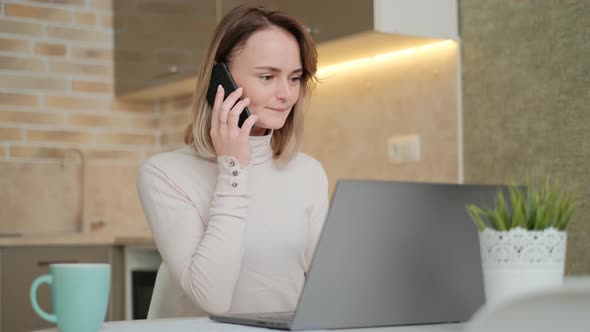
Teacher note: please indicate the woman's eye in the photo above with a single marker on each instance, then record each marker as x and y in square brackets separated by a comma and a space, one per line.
[296, 79]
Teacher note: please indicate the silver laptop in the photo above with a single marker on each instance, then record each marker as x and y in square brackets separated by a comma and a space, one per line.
[391, 253]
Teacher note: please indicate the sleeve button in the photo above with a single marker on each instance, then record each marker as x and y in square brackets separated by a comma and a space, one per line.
[234, 184]
[232, 163]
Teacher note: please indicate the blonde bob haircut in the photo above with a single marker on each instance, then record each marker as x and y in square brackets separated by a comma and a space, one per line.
[232, 33]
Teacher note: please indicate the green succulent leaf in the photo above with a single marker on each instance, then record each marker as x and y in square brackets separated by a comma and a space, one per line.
[532, 209]
[477, 215]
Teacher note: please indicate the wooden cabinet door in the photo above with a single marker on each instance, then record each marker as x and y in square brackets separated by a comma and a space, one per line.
[159, 41]
[331, 19]
[227, 5]
[20, 266]
[326, 19]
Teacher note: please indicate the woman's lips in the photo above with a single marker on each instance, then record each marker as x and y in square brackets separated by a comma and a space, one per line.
[277, 109]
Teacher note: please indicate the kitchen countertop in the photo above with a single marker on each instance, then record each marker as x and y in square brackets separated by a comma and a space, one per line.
[139, 238]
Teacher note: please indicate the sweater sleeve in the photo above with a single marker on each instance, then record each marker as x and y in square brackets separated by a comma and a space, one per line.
[204, 256]
[318, 212]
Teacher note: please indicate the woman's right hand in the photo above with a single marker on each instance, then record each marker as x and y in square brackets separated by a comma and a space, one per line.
[229, 139]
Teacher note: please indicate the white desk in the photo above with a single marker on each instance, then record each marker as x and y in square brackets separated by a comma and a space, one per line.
[561, 309]
[205, 324]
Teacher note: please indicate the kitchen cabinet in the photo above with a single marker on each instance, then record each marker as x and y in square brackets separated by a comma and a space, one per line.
[19, 266]
[331, 19]
[159, 44]
[384, 26]
[326, 20]
[159, 41]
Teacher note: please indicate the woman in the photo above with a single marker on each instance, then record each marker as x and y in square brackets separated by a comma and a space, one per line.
[236, 214]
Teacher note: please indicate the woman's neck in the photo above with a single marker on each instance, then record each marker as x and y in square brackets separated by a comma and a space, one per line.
[257, 131]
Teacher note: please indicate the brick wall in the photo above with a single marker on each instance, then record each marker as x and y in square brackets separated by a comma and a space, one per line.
[56, 93]
[56, 69]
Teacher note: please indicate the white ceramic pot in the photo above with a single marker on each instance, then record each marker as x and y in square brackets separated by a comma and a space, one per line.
[520, 261]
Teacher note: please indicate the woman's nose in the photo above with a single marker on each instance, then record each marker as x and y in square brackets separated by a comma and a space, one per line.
[283, 91]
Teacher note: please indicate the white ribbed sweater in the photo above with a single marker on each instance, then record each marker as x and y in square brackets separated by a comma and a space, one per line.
[235, 240]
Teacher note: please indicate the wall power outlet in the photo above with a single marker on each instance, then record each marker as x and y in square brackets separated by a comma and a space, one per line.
[401, 149]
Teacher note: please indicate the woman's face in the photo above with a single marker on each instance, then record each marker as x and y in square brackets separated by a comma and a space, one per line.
[268, 68]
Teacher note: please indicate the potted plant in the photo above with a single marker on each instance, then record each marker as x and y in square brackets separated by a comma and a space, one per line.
[523, 239]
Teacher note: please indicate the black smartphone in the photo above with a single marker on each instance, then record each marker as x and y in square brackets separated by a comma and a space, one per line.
[221, 75]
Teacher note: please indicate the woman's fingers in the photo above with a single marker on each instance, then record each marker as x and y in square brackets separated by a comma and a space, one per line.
[248, 124]
[227, 138]
[234, 114]
[216, 105]
[227, 105]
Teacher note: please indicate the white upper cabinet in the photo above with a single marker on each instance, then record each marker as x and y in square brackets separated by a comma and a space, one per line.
[420, 18]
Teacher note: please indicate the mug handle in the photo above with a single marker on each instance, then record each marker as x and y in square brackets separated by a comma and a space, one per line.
[40, 280]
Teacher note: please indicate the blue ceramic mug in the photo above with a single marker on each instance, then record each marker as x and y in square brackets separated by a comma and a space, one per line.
[79, 295]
